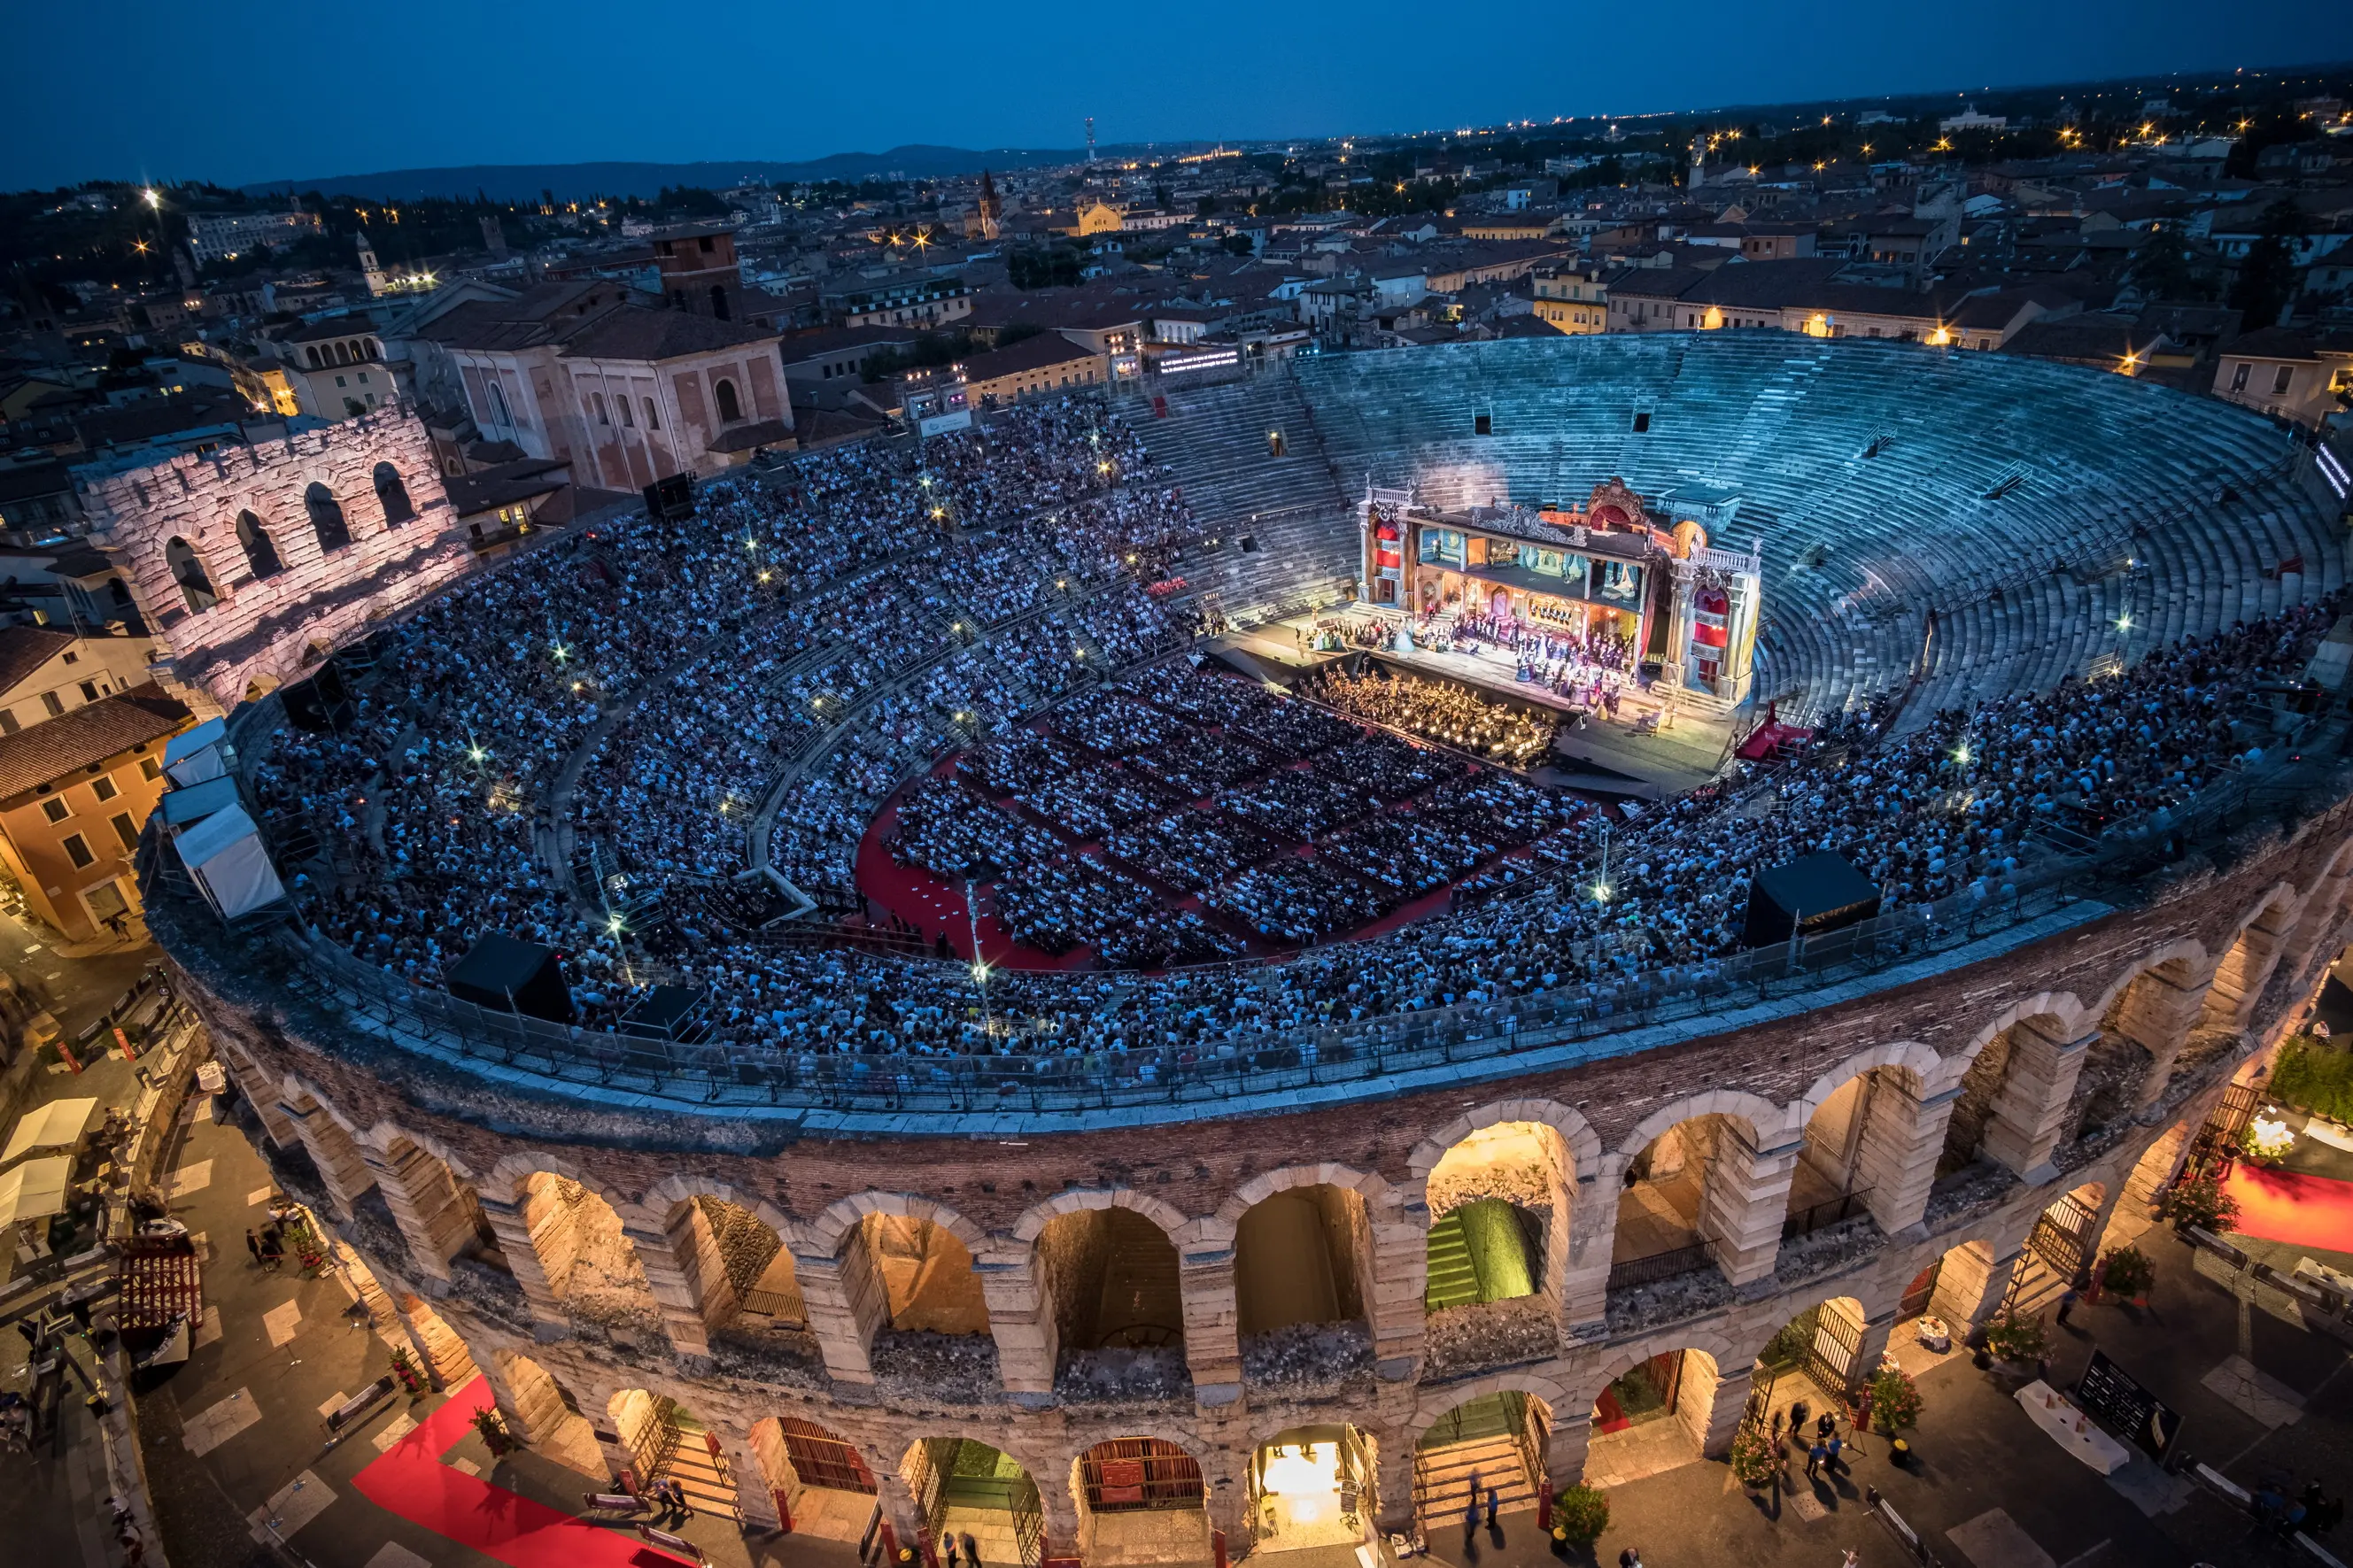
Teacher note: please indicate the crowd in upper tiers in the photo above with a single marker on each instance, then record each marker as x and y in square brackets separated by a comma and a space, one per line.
[644, 697]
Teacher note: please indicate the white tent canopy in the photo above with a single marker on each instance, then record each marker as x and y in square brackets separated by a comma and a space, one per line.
[224, 853]
[57, 1125]
[35, 1189]
[194, 755]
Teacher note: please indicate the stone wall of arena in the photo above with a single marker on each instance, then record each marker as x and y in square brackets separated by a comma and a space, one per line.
[265, 630]
[2193, 984]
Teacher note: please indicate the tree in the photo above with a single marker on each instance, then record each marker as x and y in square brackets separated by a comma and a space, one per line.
[1754, 1462]
[2268, 279]
[1580, 1514]
[2126, 1271]
[2168, 270]
[2016, 1336]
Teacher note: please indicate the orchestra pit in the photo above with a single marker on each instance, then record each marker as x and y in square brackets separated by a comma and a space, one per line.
[1173, 979]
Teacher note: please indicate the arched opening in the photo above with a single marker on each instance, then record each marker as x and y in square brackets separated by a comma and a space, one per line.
[1998, 1114]
[2115, 1078]
[1498, 1202]
[260, 554]
[927, 1276]
[326, 518]
[187, 569]
[663, 1441]
[1834, 1177]
[1495, 1443]
[591, 1266]
[550, 1419]
[440, 1216]
[730, 410]
[1816, 1360]
[757, 1312]
[820, 1481]
[1302, 1262]
[1141, 1500]
[444, 1352]
[980, 1494]
[1313, 1485]
[1118, 1312]
[1654, 1417]
[1675, 1204]
[719, 302]
[393, 495]
[2239, 979]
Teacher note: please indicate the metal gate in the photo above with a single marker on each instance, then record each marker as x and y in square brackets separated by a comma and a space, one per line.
[1832, 1354]
[1761, 1379]
[1136, 1473]
[2062, 1235]
[821, 1460]
[1922, 1287]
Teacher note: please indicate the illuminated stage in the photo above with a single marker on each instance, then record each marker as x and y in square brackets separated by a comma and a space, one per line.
[1623, 756]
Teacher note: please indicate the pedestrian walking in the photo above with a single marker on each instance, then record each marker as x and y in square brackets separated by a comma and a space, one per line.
[948, 1540]
[970, 1550]
[1816, 1457]
[1835, 1446]
[253, 1244]
[2067, 1299]
[1631, 1558]
[1495, 1506]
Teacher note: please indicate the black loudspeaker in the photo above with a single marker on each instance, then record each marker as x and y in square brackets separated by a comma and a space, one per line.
[1249, 543]
[671, 498]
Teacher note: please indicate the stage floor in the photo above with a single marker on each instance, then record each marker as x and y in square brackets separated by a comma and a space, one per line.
[1601, 754]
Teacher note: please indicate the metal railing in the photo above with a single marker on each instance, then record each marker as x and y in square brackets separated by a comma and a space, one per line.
[1673, 1263]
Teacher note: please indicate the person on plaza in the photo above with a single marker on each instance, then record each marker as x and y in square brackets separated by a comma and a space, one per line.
[253, 1244]
[1816, 1458]
[970, 1550]
[1825, 1424]
[2067, 1299]
[1495, 1506]
[1631, 1558]
[1834, 1445]
[947, 1540]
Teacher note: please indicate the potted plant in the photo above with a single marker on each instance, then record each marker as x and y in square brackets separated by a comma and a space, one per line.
[2265, 1143]
[403, 1369]
[493, 1428]
[1754, 1462]
[2126, 1271]
[2016, 1337]
[2199, 1202]
[1895, 1400]
[1579, 1515]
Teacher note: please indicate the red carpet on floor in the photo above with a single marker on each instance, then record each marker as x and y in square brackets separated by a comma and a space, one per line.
[411, 1481]
[2303, 1211]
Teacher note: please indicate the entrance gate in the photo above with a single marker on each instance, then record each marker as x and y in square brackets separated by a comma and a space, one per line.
[821, 1460]
[1134, 1473]
[2062, 1235]
[1832, 1353]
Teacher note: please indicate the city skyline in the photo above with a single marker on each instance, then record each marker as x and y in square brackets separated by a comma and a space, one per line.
[243, 105]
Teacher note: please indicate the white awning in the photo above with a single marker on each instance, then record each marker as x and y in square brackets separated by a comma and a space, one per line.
[193, 803]
[35, 1189]
[225, 854]
[188, 742]
[57, 1125]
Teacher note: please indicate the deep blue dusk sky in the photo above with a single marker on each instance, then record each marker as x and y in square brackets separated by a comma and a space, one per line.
[243, 92]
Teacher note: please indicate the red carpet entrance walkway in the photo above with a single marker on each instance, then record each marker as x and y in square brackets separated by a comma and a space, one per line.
[2303, 1211]
[411, 1481]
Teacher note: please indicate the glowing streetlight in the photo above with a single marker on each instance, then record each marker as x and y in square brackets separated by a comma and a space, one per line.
[154, 197]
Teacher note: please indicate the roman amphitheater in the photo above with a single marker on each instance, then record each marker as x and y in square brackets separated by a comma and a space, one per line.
[881, 1224]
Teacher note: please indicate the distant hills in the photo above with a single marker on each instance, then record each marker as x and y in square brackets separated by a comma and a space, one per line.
[576, 182]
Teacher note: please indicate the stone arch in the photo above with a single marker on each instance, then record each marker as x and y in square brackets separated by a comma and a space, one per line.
[1499, 1222]
[1867, 1131]
[439, 1212]
[1826, 1339]
[185, 562]
[392, 495]
[842, 1218]
[1905, 1056]
[2326, 906]
[545, 1412]
[1477, 1449]
[1702, 1181]
[1141, 1496]
[1577, 1134]
[822, 1483]
[2013, 1083]
[261, 556]
[731, 407]
[329, 1140]
[2144, 1020]
[2247, 963]
[1693, 1379]
[1105, 1263]
[964, 1485]
[593, 1274]
[327, 520]
[1303, 1247]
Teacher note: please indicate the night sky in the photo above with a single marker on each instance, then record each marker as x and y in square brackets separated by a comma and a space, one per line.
[239, 93]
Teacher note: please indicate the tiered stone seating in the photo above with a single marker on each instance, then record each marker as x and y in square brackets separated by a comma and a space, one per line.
[1990, 476]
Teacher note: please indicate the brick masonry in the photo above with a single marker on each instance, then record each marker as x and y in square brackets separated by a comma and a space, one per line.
[268, 628]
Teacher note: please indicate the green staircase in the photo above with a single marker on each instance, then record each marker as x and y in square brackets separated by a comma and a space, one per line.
[1477, 1253]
